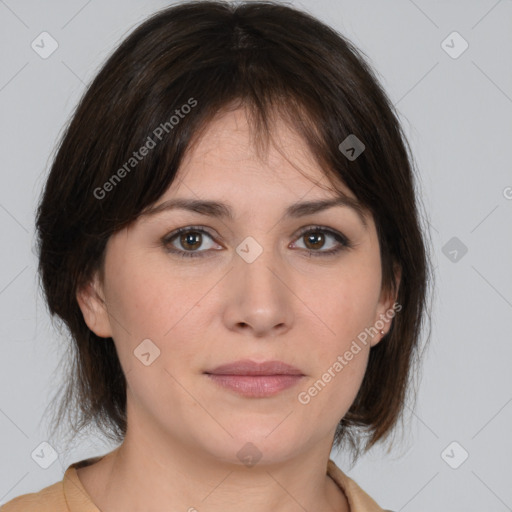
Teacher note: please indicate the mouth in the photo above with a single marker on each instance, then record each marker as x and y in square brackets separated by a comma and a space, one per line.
[255, 380]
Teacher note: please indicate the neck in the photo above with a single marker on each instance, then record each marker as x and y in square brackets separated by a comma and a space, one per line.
[141, 476]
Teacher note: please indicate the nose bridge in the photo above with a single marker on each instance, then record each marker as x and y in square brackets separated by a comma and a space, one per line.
[256, 268]
[260, 298]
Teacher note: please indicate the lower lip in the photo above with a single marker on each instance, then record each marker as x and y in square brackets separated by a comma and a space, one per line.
[256, 386]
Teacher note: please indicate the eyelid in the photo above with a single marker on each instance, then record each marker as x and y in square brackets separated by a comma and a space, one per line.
[344, 242]
[331, 231]
[201, 229]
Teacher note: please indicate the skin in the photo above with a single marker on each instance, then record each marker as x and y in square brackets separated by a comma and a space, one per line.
[184, 431]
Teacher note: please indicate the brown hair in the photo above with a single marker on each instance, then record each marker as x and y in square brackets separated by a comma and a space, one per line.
[275, 61]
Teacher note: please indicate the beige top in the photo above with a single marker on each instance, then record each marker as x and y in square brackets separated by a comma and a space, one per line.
[69, 495]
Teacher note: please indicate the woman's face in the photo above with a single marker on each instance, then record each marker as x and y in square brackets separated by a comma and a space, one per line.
[251, 291]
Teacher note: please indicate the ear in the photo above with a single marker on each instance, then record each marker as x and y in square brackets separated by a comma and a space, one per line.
[387, 308]
[90, 298]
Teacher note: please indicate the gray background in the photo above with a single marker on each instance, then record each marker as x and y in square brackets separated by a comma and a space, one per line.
[456, 114]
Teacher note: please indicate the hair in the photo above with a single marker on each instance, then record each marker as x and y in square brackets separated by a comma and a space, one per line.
[276, 62]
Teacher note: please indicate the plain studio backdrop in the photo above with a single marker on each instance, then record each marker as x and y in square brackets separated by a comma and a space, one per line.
[446, 67]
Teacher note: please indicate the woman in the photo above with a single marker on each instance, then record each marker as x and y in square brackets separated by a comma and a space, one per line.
[230, 233]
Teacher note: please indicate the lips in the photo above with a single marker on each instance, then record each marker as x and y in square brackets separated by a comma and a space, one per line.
[247, 367]
[255, 380]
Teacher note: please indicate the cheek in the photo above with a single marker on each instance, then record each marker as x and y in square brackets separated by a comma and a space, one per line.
[145, 299]
[340, 359]
[152, 299]
[347, 307]
[148, 303]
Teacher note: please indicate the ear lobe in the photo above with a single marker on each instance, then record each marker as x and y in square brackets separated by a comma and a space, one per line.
[94, 310]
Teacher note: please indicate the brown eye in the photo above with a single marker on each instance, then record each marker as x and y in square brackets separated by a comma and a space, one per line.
[314, 240]
[316, 237]
[191, 240]
[186, 242]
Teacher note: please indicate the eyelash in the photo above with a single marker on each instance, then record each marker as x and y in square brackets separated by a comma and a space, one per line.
[341, 239]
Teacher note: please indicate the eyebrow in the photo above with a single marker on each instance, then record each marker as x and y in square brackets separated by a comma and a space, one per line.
[224, 211]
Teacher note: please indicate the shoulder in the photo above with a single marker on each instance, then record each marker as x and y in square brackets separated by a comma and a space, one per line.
[358, 499]
[49, 499]
[68, 495]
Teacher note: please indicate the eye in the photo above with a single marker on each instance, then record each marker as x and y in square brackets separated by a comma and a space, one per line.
[315, 238]
[190, 238]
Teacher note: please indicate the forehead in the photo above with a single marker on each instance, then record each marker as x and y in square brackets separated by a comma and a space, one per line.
[226, 158]
[226, 173]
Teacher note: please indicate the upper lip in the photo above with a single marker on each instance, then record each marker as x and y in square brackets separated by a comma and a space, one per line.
[247, 367]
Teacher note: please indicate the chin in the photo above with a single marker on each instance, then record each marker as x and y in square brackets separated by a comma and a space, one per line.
[255, 445]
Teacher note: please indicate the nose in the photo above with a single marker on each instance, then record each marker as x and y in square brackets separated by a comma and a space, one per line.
[259, 300]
